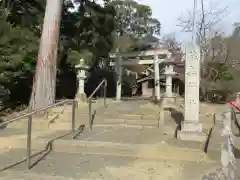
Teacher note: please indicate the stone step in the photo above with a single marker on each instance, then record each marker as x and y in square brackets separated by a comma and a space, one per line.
[11, 132]
[160, 151]
[99, 119]
[117, 109]
[110, 122]
[146, 151]
[138, 111]
[85, 166]
[119, 113]
[65, 123]
[18, 175]
[137, 142]
[154, 142]
[118, 134]
[112, 118]
[18, 132]
[17, 137]
[119, 116]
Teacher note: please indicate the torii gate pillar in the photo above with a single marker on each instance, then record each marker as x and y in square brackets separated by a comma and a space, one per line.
[156, 78]
[119, 78]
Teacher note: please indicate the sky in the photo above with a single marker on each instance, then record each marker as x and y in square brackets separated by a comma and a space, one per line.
[168, 12]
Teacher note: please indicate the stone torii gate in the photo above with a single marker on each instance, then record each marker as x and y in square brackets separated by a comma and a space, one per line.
[139, 62]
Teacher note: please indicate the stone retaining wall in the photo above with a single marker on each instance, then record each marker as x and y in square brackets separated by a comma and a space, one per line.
[228, 160]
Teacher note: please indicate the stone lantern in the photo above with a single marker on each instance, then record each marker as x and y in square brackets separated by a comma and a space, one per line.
[169, 73]
[81, 75]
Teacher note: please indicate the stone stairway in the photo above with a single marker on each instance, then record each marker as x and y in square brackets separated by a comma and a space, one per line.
[126, 142]
[121, 114]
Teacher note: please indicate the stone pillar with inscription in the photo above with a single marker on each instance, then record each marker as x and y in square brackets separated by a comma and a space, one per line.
[191, 128]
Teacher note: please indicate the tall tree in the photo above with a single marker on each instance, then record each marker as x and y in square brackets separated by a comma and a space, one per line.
[86, 33]
[24, 13]
[43, 92]
[134, 22]
[89, 29]
[135, 19]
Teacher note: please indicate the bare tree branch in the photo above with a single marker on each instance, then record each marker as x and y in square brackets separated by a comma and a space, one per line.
[206, 21]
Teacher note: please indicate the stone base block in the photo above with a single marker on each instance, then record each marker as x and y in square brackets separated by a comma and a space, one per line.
[171, 98]
[191, 126]
[147, 93]
[167, 99]
[116, 101]
[191, 136]
[81, 98]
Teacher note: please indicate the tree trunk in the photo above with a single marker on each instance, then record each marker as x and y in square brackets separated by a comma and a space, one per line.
[44, 87]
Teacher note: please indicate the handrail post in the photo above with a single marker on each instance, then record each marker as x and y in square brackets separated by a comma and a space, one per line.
[103, 82]
[90, 114]
[29, 134]
[73, 116]
[105, 93]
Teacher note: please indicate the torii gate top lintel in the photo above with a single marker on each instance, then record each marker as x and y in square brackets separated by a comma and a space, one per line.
[141, 53]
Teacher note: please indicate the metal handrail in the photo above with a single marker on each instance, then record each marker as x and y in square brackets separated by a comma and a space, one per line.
[89, 100]
[30, 117]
